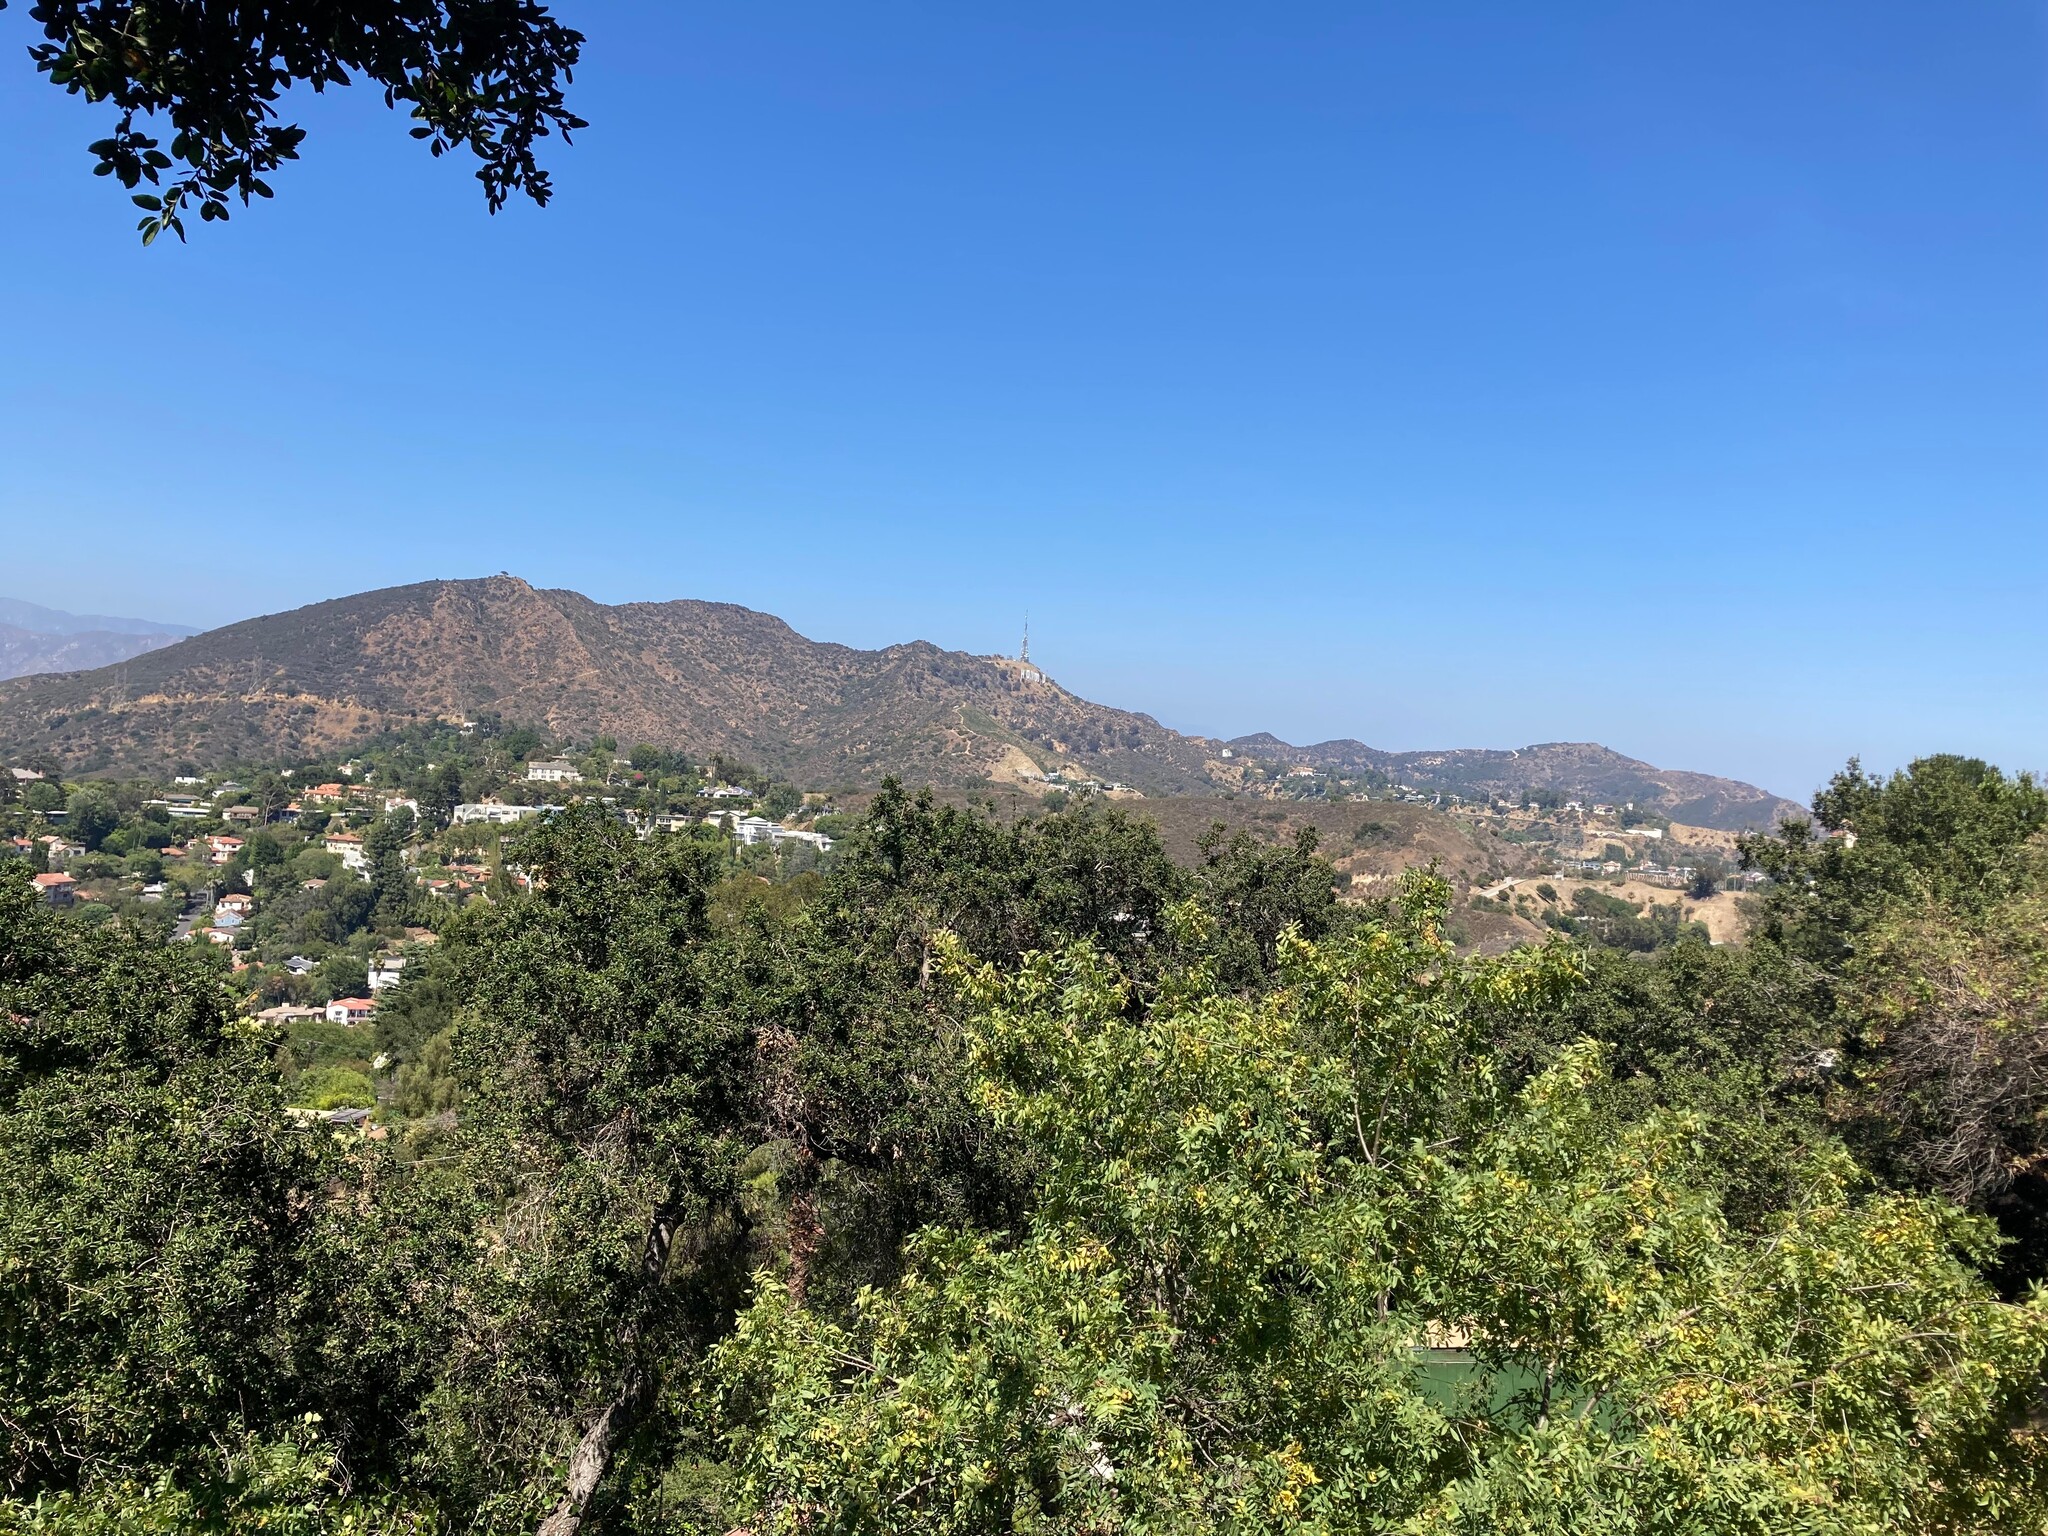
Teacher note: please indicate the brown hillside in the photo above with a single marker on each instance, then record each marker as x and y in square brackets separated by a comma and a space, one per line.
[705, 677]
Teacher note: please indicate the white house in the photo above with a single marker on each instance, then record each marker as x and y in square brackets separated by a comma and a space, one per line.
[183, 807]
[748, 831]
[492, 812]
[350, 1010]
[554, 770]
[348, 848]
[386, 971]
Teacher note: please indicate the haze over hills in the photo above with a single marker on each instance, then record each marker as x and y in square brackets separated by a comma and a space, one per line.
[37, 639]
[707, 678]
[18, 613]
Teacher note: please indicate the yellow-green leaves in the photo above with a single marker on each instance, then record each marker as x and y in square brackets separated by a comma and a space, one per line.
[1299, 1263]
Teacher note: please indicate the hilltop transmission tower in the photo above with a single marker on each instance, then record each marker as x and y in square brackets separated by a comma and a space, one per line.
[1024, 650]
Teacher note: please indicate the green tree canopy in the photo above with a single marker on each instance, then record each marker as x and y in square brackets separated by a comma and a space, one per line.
[1299, 1263]
[90, 814]
[159, 1213]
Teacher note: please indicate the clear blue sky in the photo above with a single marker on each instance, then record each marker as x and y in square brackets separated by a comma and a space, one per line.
[1673, 376]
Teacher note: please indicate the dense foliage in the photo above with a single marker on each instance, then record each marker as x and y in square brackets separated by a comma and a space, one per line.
[1012, 1177]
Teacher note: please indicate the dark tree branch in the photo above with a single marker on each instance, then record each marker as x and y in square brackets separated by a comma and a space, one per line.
[486, 73]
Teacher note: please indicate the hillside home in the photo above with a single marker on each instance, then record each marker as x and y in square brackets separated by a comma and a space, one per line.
[222, 847]
[57, 890]
[748, 831]
[351, 1010]
[386, 971]
[347, 847]
[25, 775]
[219, 935]
[236, 901]
[726, 792]
[247, 815]
[62, 851]
[553, 770]
[491, 812]
[181, 807]
[288, 1013]
[299, 965]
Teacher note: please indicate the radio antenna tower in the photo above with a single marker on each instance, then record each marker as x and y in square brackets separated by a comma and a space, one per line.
[1024, 650]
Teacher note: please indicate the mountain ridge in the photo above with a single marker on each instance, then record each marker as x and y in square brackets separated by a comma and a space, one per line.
[1578, 769]
[20, 613]
[705, 677]
[709, 677]
[27, 652]
[35, 639]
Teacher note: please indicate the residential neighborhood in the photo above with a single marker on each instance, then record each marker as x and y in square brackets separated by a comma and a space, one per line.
[320, 883]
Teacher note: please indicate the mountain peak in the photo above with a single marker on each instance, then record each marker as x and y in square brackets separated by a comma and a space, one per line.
[707, 678]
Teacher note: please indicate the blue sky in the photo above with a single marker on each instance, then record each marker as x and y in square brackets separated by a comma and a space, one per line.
[1670, 376]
